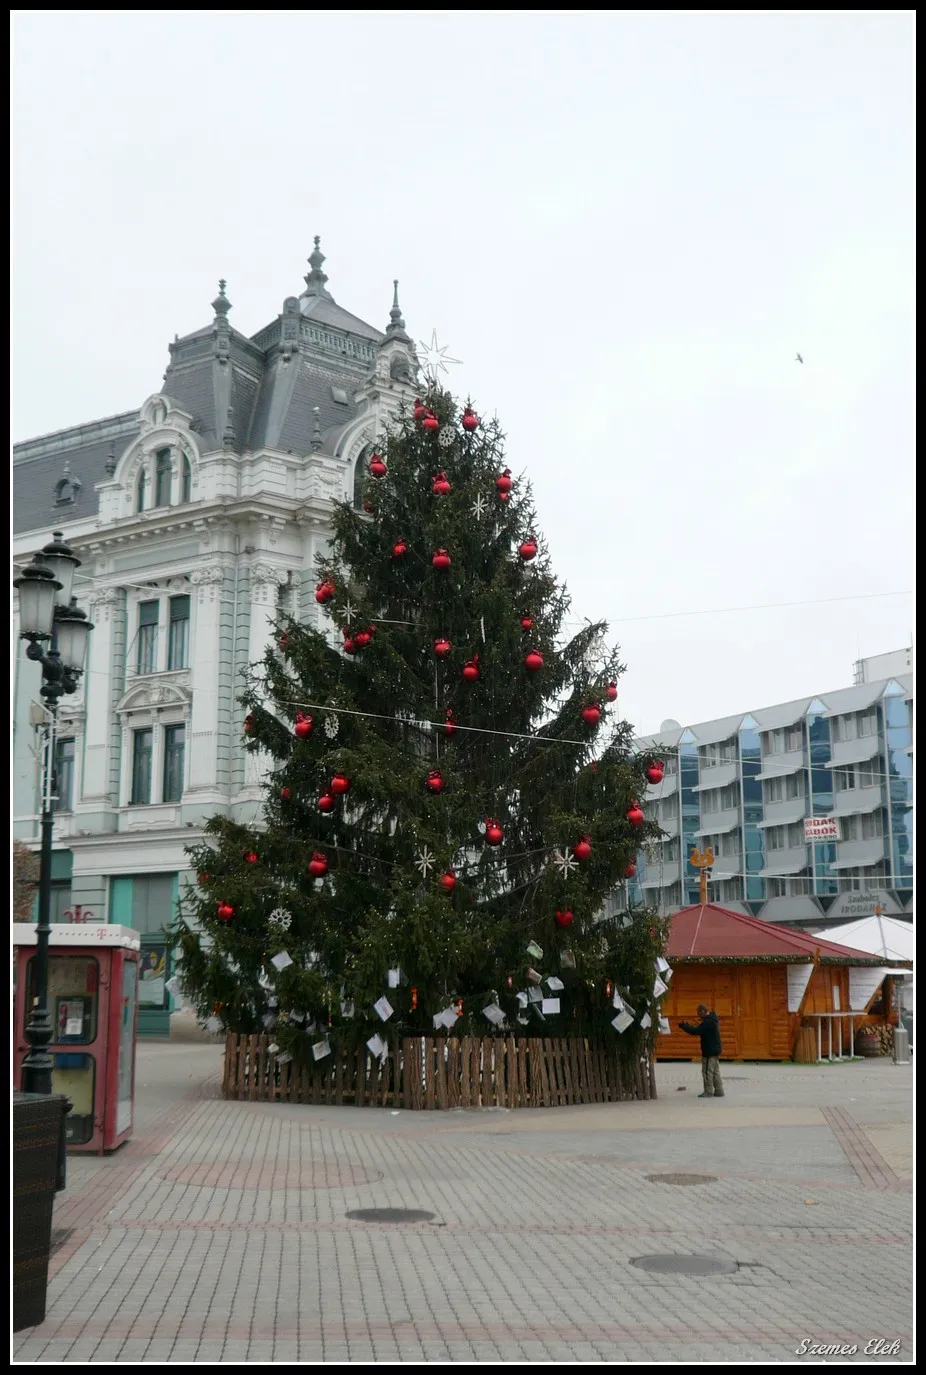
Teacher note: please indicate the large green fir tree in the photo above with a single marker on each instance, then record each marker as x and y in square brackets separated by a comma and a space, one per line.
[449, 792]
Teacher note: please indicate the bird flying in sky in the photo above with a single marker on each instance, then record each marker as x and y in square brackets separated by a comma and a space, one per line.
[799, 358]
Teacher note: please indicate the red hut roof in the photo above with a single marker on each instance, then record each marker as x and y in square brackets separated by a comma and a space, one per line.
[715, 933]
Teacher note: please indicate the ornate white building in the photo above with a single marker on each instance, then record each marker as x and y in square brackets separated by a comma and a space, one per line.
[196, 517]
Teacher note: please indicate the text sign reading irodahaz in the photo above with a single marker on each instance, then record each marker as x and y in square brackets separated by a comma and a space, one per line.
[821, 828]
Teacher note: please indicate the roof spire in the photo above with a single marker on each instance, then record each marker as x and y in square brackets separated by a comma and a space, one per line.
[316, 428]
[396, 326]
[316, 279]
[221, 305]
[228, 435]
[111, 459]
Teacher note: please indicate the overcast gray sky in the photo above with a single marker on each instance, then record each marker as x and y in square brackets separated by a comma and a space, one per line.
[625, 224]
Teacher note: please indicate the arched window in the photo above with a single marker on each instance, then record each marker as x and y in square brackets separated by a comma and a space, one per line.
[162, 475]
[141, 489]
[360, 475]
[186, 480]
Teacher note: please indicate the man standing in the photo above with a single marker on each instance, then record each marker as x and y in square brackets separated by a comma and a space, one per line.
[709, 1031]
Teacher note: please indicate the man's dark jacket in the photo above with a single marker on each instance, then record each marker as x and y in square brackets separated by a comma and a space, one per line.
[709, 1031]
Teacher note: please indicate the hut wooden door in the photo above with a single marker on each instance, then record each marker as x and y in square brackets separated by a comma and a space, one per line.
[753, 1012]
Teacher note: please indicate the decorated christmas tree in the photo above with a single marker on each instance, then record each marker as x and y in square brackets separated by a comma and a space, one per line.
[451, 802]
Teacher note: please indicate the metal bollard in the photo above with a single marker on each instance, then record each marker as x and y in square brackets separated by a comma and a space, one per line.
[901, 1046]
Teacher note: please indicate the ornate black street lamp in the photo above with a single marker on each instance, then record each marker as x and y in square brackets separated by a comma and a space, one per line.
[57, 632]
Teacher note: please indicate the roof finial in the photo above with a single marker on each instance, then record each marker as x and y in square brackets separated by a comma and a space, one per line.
[111, 459]
[228, 434]
[395, 314]
[317, 425]
[221, 305]
[316, 279]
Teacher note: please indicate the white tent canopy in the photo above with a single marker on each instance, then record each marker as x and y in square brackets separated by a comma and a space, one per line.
[883, 936]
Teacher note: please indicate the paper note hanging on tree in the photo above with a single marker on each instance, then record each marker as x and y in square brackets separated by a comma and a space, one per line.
[347, 1009]
[394, 978]
[321, 1049]
[383, 1007]
[281, 961]
[667, 975]
[534, 977]
[269, 1021]
[659, 988]
[661, 965]
[622, 1021]
[629, 1010]
[554, 984]
[272, 1048]
[522, 1000]
[646, 1021]
[297, 1015]
[549, 1006]
[494, 1013]
[535, 951]
[376, 1045]
[284, 1057]
[664, 1029]
[213, 1025]
[448, 1017]
[567, 959]
[535, 995]
[173, 986]
[617, 1002]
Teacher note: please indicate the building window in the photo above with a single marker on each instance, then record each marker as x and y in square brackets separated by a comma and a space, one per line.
[147, 637]
[178, 641]
[721, 799]
[141, 490]
[186, 480]
[64, 776]
[174, 743]
[162, 475]
[142, 751]
[723, 752]
[784, 789]
[844, 779]
[868, 722]
[870, 774]
[776, 838]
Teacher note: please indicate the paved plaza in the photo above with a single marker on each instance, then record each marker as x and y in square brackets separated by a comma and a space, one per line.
[220, 1232]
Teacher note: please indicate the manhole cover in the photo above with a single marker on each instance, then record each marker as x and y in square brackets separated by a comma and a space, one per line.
[682, 1178]
[389, 1215]
[686, 1265]
[58, 1237]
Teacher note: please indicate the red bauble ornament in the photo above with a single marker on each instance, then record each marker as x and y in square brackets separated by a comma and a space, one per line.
[420, 408]
[249, 724]
[470, 419]
[503, 482]
[225, 911]
[528, 550]
[442, 648]
[340, 784]
[635, 814]
[564, 918]
[656, 771]
[430, 422]
[362, 639]
[494, 833]
[326, 803]
[369, 507]
[448, 881]
[250, 857]
[582, 848]
[527, 622]
[533, 661]
[286, 794]
[350, 645]
[434, 782]
[377, 466]
[591, 714]
[450, 722]
[631, 869]
[470, 669]
[440, 486]
[440, 559]
[324, 592]
[399, 549]
[611, 692]
[318, 864]
[303, 727]
[204, 878]
[284, 641]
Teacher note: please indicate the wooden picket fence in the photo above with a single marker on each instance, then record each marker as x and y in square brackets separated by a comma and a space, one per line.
[426, 1073]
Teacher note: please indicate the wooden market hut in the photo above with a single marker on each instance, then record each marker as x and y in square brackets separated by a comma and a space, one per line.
[764, 981]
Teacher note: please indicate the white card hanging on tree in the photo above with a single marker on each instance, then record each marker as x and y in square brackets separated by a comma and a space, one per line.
[567, 960]
[449, 1017]
[661, 965]
[646, 1021]
[376, 1045]
[659, 988]
[617, 1002]
[383, 1007]
[213, 1025]
[272, 1048]
[664, 1029]
[549, 1006]
[522, 1000]
[321, 1049]
[281, 961]
[173, 985]
[284, 1057]
[534, 977]
[535, 951]
[554, 984]
[622, 1021]
[394, 978]
[535, 995]
[494, 1014]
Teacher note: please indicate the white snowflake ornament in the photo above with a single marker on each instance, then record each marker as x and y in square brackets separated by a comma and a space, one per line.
[564, 862]
[280, 917]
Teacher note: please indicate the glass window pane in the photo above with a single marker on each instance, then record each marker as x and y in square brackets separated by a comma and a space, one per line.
[162, 478]
[174, 743]
[64, 776]
[141, 767]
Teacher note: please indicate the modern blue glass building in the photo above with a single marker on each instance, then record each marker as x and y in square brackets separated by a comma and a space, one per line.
[746, 785]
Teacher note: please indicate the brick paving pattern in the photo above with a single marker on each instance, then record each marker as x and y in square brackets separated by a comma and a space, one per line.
[219, 1233]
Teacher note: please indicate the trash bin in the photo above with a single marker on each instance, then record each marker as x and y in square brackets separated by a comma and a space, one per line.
[901, 1046]
[38, 1123]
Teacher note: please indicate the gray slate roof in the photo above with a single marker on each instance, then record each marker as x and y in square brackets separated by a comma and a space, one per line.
[39, 464]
